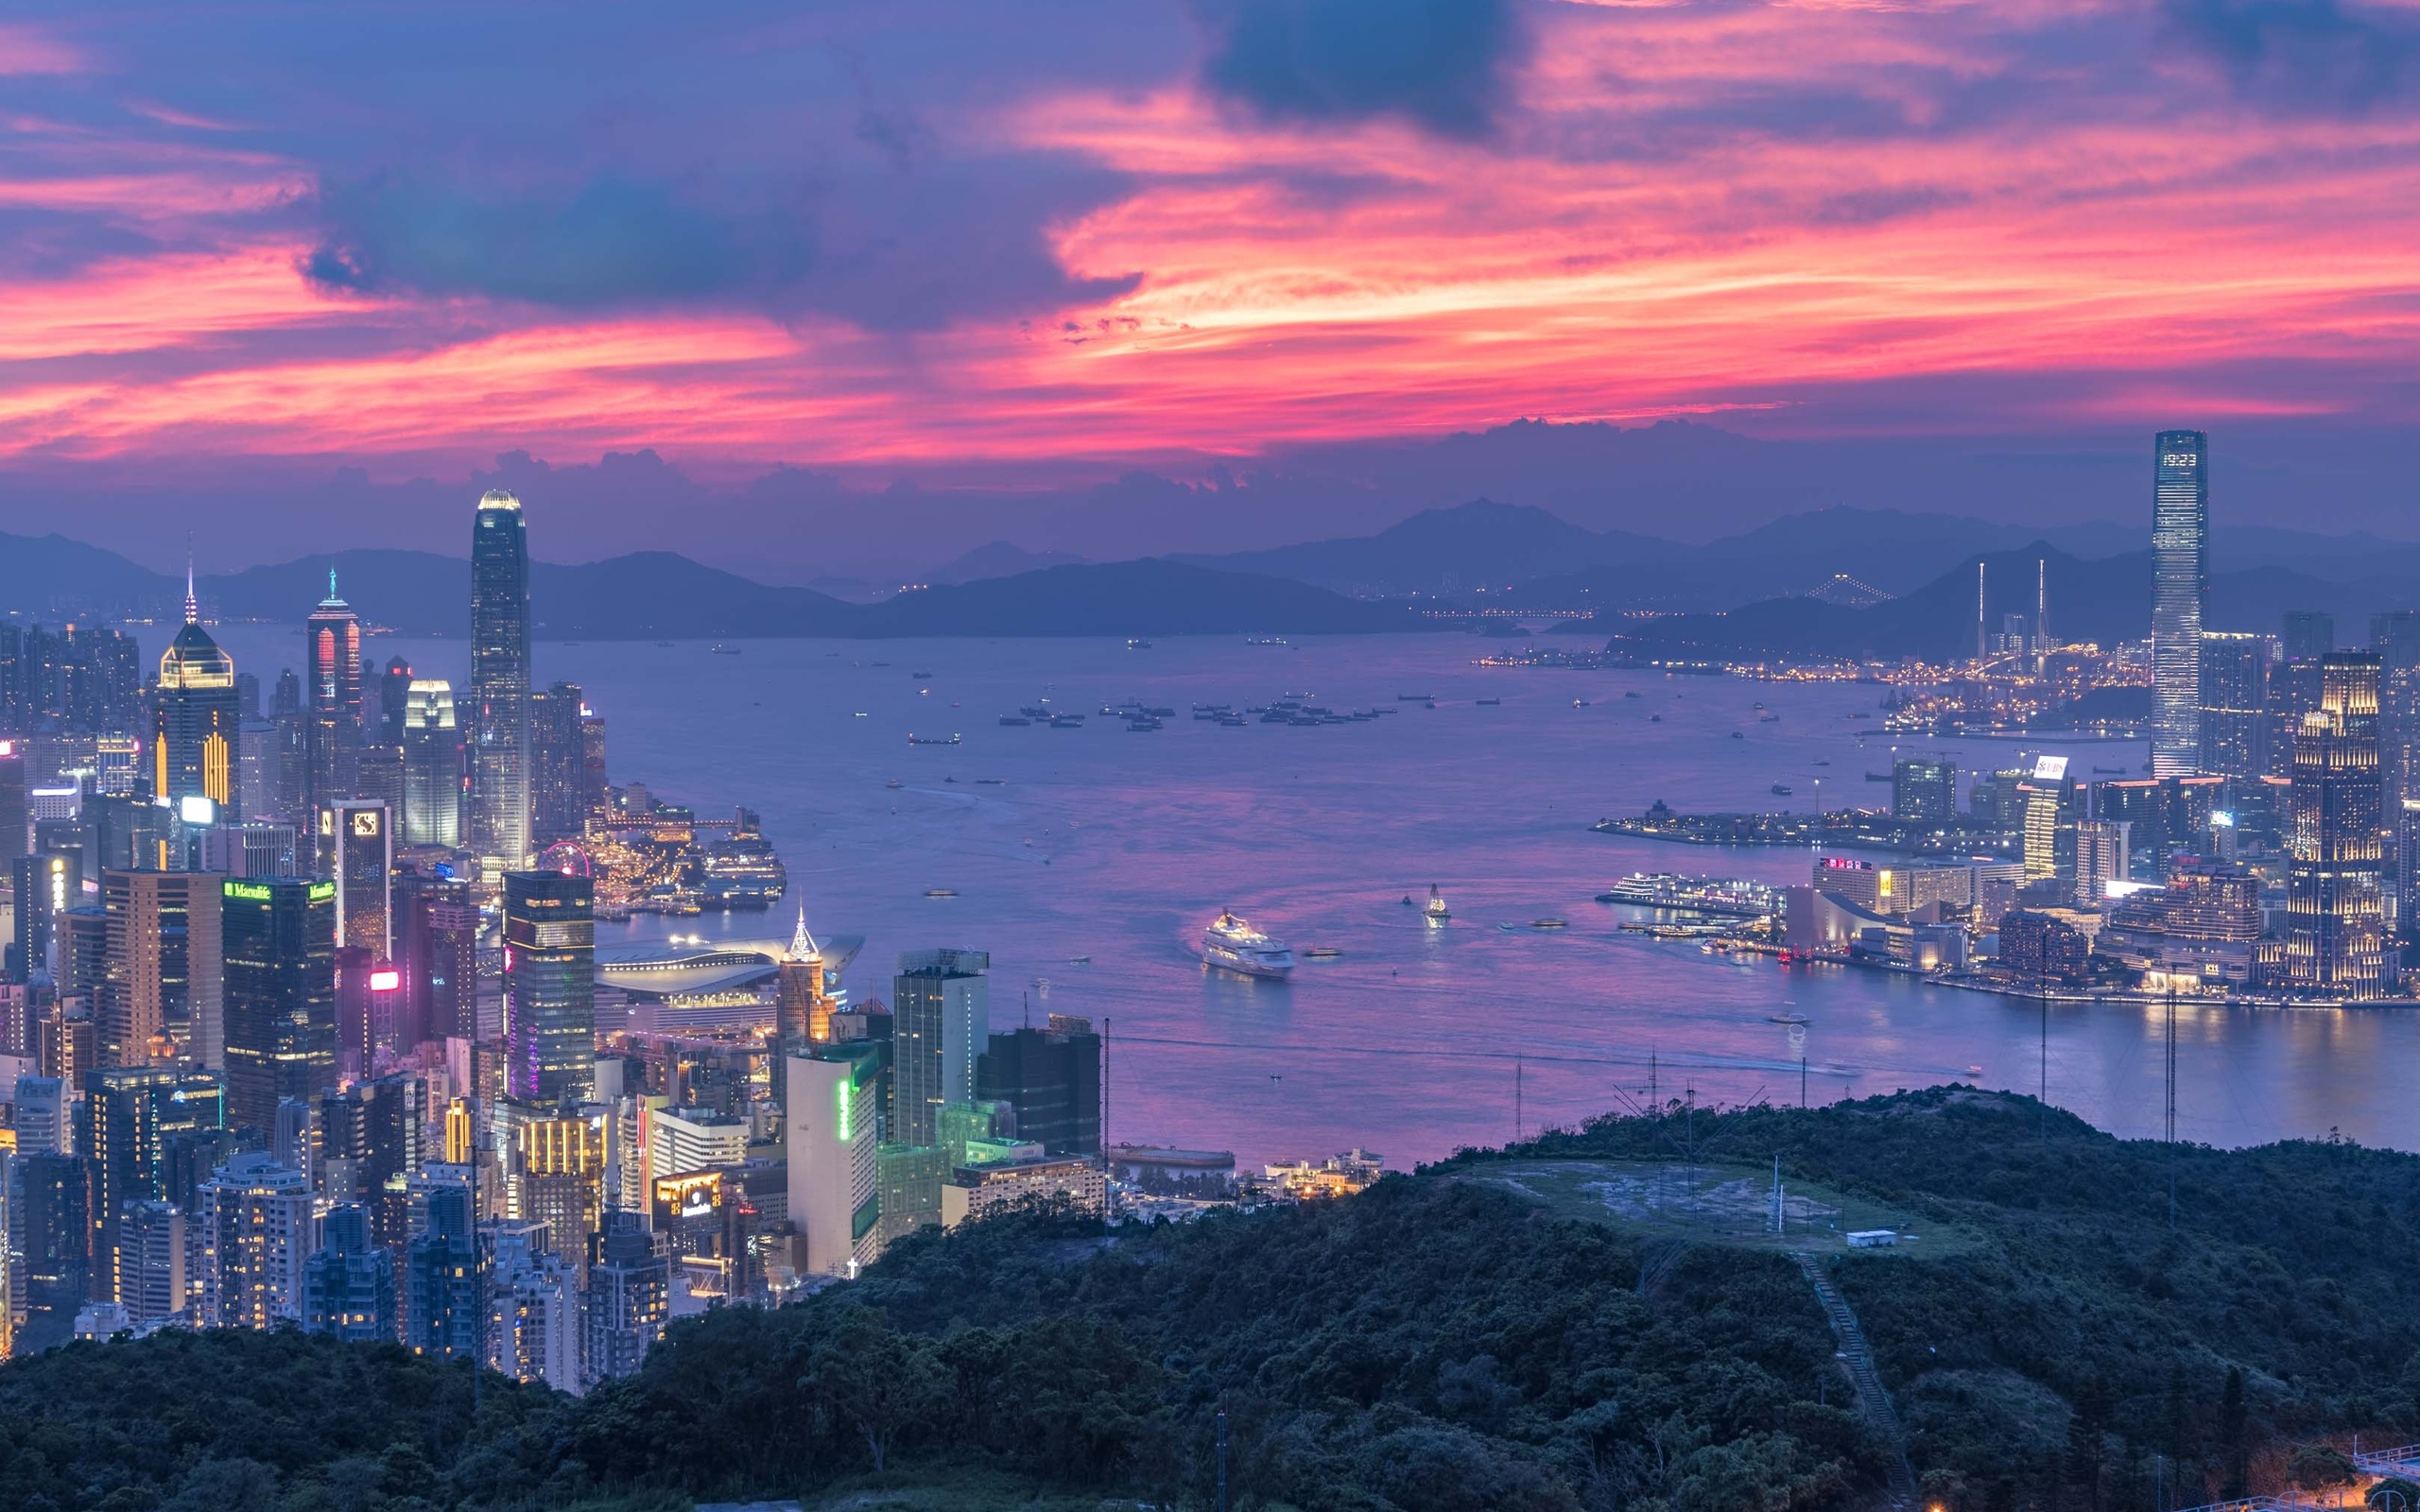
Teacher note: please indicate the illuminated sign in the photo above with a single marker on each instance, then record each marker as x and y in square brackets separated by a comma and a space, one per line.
[195, 809]
[1844, 863]
[250, 891]
[2051, 768]
[365, 824]
[691, 1196]
[8, 747]
[386, 979]
[842, 1094]
[2179, 459]
[2220, 819]
[322, 891]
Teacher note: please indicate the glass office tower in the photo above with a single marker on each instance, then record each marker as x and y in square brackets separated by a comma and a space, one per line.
[280, 994]
[549, 986]
[2180, 570]
[2336, 887]
[499, 807]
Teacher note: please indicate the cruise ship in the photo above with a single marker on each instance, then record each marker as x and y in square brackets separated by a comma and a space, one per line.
[742, 871]
[1720, 896]
[1233, 945]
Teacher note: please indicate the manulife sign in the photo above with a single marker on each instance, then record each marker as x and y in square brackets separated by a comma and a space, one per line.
[260, 892]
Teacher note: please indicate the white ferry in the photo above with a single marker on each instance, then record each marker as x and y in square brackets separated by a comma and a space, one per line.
[1233, 945]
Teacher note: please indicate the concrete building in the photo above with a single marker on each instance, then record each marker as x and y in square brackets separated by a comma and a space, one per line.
[254, 1231]
[940, 1015]
[977, 1190]
[833, 1174]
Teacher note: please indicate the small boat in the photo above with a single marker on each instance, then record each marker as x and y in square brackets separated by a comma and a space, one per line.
[1787, 1018]
[933, 740]
[893, 782]
[1654, 719]
[1630, 695]
[940, 892]
[1407, 899]
[989, 782]
[1550, 923]
[922, 676]
[1510, 929]
[1824, 764]
[1232, 721]
[1769, 719]
[1321, 953]
[726, 650]
[1974, 1071]
[1135, 642]
[1580, 703]
[1079, 960]
[1759, 704]
[1410, 697]
[1436, 909]
[1736, 735]
[665, 643]
[1877, 776]
[1014, 719]
[1781, 790]
[1491, 703]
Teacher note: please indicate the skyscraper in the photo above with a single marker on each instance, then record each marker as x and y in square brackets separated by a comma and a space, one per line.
[2293, 684]
[549, 986]
[2335, 886]
[1924, 787]
[358, 853]
[830, 1134]
[349, 1282]
[332, 654]
[394, 695]
[558, 764]
[432, 767]
[2180, 570]
[160, 993]
[195, 717]
[2234, 703]
[436, 943]
[124, 1123]
[942, 1011]
[1050, 1078]
[252, 1222]
[500, 683]
[628, 1301]
[444, 1276]
[280, 995]
[803, 1008]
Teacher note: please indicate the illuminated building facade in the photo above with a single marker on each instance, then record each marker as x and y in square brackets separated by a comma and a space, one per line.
[941, 1008]
[124, 1123]
[2293, 684]
[332, 684]
[835, 1195]
[2336, 887]
[196, 718]
[160, 996]
[1924, 787]
[559, 797]
[2180, 571]
[558, 1178]
[432, 767]
[280, 994]
[2049, 810]
[627, 1301]
[499, 733]
[437, 928]
[802, 1010]
[47, 884]
[2234, 703]
[253, 1220]
[549, 986]
[356, 846]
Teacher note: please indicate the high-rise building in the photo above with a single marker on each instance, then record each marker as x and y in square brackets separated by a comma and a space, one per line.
[42, 1125]
[558, 764]
[47, 883]
[2180, 571]
[160, 998]
[1924, 787]
[358, 853]
[2396, 636]
[2308, 635]
[558, 1178]
[444, 1276]
[280, 994]
[2051, 818]
[628, 1301]
[55, 1232]
[437, 928]
[834, 1168]
[803, 1008]
[252, 1223]
[499, 734]
[16, 819]
[289, 754]
[150, 1261]
[681, 1142]
[381, 1128]
[533, 1307]
[2101, 859]
[395, 698]
[2234, 703]
[128, 1115]
[349, 1282]
[1049, 1078]
[549, 986]
[2335, 886]
[941, 1009]
[592, 756]
[432, 767]
[332, 654]
[195, 718]
[2293, 684]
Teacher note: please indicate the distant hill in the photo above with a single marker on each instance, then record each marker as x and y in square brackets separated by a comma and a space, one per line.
[1000, 559]
[1466, 547]
[1148, 597]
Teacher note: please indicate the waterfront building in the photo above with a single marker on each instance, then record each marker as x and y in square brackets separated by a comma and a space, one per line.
[557, 764]
[549, 986]
[159, 998]
[834, 1164]
[2049, 944]
[2335, 886]
[195, 718]
[2180, 571]
[803, 1008]
[254, 1226]
[358, 853]
[332, 740]
[280, 994]
[2101, 859]
[2200, 932]
[627, 1303]
[1049, 1078]
[2293, 684]
[2166, 817]
[2234, 703]
[1077, 1184]
[1924, 788]
[349, 1282]
[2050, 820]
[499, 733]
[941, 1014]
[432, 767]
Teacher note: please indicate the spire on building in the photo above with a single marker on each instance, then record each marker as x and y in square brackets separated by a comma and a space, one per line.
[802, 946]
[193, 605]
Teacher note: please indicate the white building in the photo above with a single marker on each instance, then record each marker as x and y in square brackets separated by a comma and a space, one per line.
[534, 1313]
[833, 1193]
[685, 1140]
[973, 1190]
[252, 1228]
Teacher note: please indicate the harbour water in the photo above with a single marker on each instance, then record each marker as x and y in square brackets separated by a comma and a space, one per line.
[1088, 861]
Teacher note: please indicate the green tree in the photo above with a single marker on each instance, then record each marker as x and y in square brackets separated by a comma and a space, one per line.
[2317, 1466]
[2393, 1494]
[2235, 1437]
[881, 1382]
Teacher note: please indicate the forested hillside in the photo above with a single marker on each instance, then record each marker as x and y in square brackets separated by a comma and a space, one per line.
[1439, 1343]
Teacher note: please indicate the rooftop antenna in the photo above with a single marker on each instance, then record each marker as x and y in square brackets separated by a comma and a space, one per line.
[193, 605]
[2042, 617]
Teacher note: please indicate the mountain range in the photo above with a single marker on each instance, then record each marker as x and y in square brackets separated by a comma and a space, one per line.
[1747, 591]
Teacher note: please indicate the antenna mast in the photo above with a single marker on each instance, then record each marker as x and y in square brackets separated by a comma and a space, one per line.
[1980, 640]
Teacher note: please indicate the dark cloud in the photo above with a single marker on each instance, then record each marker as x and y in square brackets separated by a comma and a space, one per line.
[1445, 65]
[885, 249]
[2304, 56]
